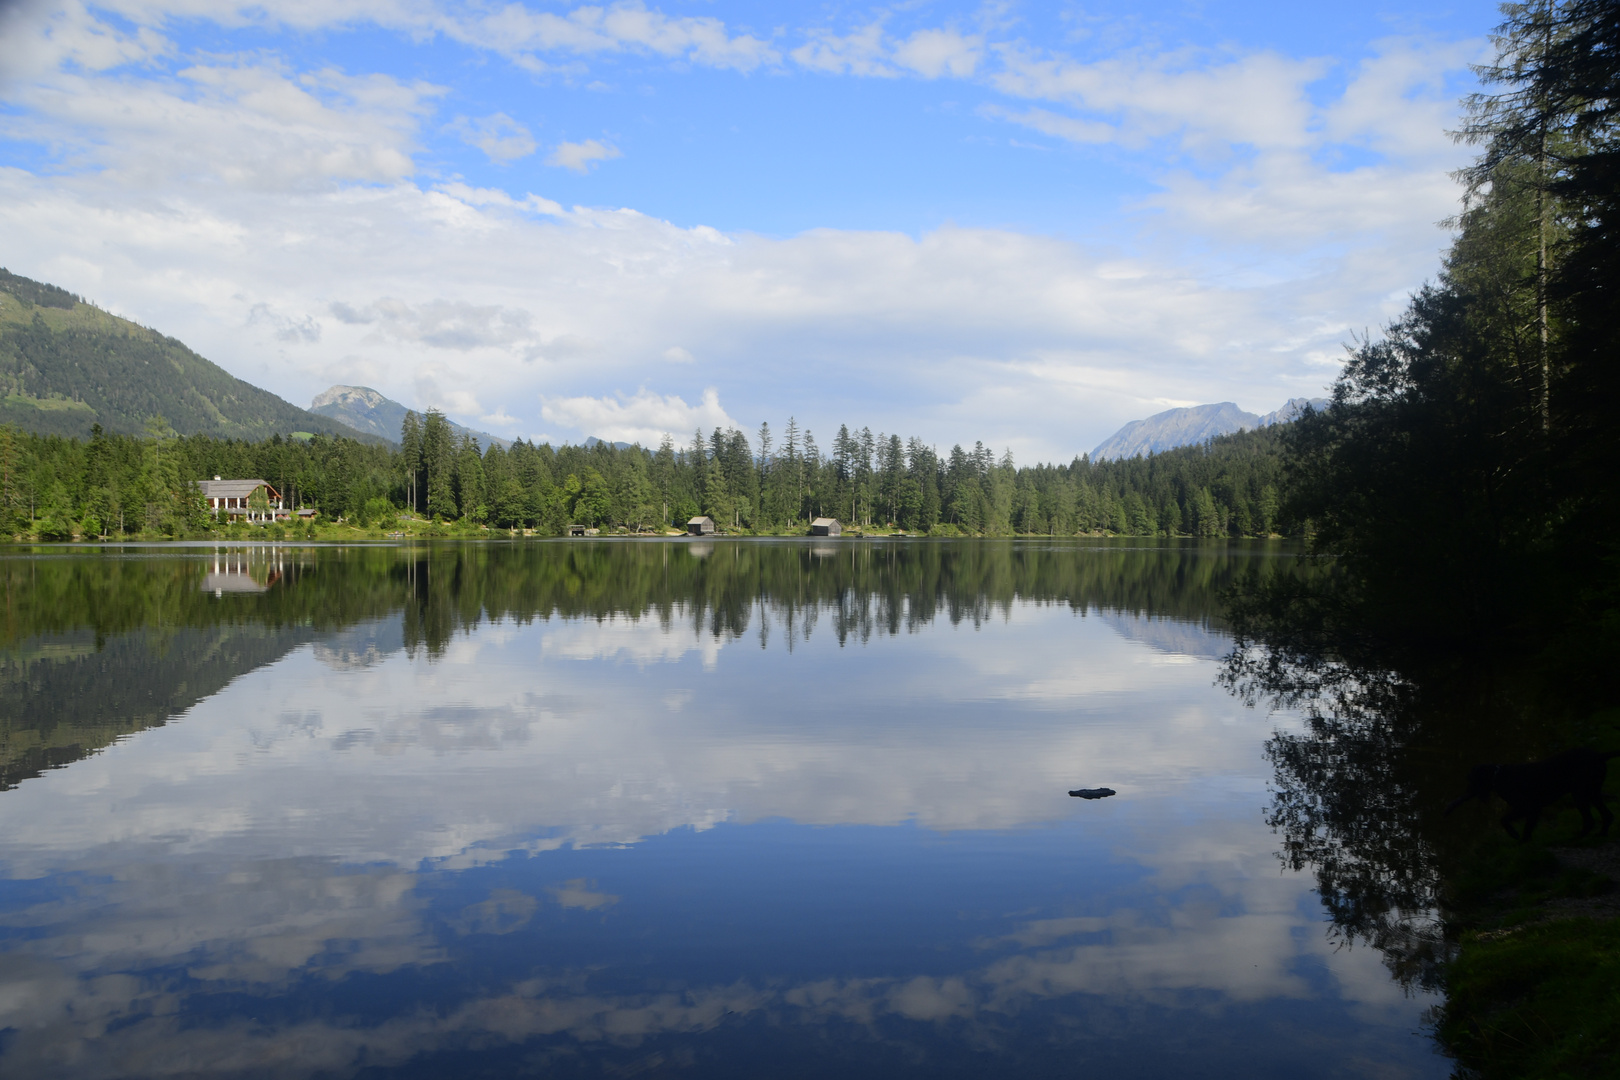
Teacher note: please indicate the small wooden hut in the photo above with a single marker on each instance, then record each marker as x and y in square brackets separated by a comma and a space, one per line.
[826, 527]
[700, 526]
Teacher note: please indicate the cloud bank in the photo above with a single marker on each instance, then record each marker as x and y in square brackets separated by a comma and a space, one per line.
[277, 214]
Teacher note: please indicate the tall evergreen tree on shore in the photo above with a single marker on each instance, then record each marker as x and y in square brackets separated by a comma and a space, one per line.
[438, 463]
[410, 441]
[1467, 463]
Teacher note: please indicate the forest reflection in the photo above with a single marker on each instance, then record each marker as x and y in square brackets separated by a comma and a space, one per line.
[1359, 792]
[99, 644]
[1349, 799]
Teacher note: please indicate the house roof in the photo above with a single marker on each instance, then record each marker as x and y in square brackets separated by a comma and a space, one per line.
[701, 519]
[231, 489]
[824, 521]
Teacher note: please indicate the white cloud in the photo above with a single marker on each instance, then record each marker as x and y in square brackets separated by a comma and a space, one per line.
[867, 51]
[581, 156]
[1258, 99]
[516, 30]
[499, 418]
[447, 324]
[500, 137]
[1285, 202]
[1398, 101]
[1047, 122]
[287, 328]
[276, 220]
[1030, 341]
[933, 53]
[644, 418]
[861, 52]
[246, 123]
[38, 38]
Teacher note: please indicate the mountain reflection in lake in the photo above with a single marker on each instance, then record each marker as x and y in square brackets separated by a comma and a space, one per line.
[599, 808]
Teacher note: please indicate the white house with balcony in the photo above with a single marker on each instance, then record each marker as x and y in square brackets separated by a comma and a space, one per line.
[235, 496]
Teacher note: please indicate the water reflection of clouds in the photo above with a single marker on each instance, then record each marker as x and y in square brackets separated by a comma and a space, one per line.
[117, 1002]
[619, 638]
[292, 819]
[967, 731]
[259, 929]
[362, 646]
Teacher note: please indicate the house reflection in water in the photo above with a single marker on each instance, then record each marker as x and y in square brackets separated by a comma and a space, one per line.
[252, 570]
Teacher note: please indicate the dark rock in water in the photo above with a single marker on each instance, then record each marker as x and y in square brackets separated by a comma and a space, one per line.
[1093, 792]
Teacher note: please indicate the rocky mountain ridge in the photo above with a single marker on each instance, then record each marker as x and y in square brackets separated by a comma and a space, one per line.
[1192, 425]
[365, 409]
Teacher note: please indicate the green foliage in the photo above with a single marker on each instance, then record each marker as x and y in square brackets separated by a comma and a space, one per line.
[129, 485]
[36, 293]
[376, 511]
[1537, 1001]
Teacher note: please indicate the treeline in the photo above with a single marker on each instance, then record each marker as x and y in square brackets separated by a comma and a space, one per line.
[113, 485]
[1464, 474]
[55, 488]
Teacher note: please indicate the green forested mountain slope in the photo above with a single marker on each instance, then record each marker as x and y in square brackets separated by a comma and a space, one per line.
[66, 365]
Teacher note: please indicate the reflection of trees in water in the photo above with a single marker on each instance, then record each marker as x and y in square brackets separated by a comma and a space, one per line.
[1385, 745]
[98, 644]
[63, 697]
[858, 590]
[1351, 799]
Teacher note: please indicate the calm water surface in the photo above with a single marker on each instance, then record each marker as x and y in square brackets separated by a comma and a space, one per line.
[708, 809]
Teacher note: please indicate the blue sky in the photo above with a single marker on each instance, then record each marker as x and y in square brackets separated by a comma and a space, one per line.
[1019, 223]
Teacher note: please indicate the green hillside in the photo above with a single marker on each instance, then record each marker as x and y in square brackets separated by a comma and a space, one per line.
[66, 365]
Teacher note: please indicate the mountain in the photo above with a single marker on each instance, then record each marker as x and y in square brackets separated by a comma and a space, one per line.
[66, 365]
[1291, 410]
[1198, 424]
[592, 440]
[364, 409]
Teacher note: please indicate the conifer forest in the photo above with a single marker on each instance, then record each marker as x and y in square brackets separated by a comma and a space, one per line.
[58, 488]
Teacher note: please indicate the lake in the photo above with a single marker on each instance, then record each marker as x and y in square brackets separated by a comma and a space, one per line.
[670, 808]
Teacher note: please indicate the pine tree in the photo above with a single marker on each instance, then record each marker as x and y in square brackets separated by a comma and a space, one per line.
[1525, 129]
[438, 462]
[410, 441]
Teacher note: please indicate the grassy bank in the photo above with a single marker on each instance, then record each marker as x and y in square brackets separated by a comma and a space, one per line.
[406, 528]
[1533, 990]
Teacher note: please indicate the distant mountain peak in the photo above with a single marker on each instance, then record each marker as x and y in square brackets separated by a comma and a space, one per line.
[1192, 425]
[368, 410]
[345, 395]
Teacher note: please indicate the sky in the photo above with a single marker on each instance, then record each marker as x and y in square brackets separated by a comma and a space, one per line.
[1025, 224]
